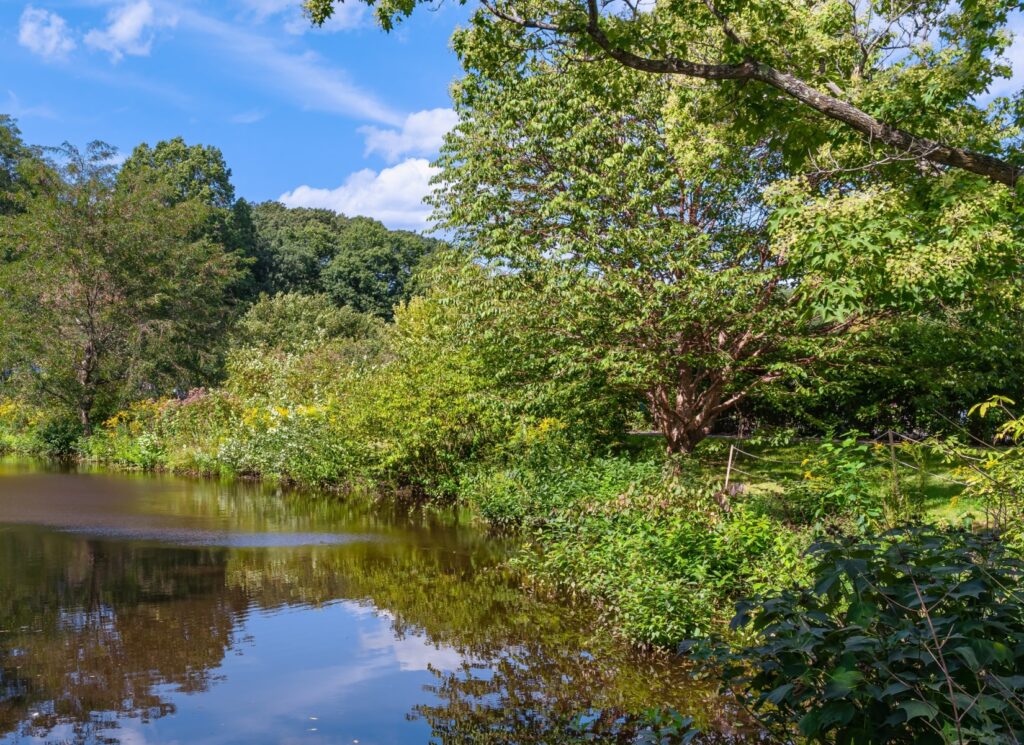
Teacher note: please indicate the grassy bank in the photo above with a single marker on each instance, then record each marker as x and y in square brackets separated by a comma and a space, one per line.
[659, 545]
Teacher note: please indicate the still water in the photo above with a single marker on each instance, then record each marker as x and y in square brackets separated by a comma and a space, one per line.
[151, 609]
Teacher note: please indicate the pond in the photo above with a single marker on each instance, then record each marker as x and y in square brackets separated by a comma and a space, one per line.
[153, 609]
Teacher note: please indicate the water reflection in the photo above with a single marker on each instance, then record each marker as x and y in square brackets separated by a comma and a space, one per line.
[307, 620]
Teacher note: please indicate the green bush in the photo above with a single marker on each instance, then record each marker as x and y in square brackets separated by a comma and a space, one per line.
[291, 322]
[18, 422]
[28, 429]
[55, 437]
[917, 637]
[294, 443]
[839, 486]
[653, 549]
[543, 467]
[667, 573]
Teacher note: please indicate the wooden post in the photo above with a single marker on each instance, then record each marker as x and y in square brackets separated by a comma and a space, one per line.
[897, 499]
[728, 469]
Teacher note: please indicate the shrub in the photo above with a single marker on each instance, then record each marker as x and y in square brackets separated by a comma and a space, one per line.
[836, 483]
[296, 443]
[428, 409]
[18, 423]
[543, 467]
[916, 637]
[55, 437]
[28, 429]
[291, 322]
[652, 549]
[130, 438]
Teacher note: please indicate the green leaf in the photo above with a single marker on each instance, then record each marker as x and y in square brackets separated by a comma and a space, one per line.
[968, 656]
[777, 695]
[820, 721]
[915, 709]
[842, 681]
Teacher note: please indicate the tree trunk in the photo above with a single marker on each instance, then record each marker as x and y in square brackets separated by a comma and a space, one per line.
[87, 382]
[85, 416]
[680, 441]
[684, 417]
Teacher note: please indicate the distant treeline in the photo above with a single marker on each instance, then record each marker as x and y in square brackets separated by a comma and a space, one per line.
[118, 283]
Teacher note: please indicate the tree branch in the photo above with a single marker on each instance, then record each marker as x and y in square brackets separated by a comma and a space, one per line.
[989, 166]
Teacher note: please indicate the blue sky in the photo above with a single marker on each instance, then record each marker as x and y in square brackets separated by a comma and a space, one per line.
[347, 117]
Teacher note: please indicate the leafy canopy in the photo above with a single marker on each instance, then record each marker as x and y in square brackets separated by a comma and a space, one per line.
[839, 83]
[111, 289]
[625, 245]
[13, 153]
[356, 261]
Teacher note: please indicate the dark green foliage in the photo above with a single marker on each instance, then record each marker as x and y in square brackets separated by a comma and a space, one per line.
[199, 173]
[373, 267]
[356, 261]
[294, 246]
[237, 231]
[56, 437]
[291, 322]
[917, 637]
[12, 152]
[913, 373]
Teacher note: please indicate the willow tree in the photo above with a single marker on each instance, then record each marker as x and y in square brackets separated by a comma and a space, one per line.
[630, 240]
[108, 294]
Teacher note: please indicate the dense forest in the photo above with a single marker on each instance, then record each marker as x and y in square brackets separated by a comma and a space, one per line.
[726, 309]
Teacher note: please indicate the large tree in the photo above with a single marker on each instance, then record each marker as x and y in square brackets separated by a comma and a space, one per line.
[628, 250]
[356, 261]
[192, 171]
[901, 82]
[200, 173]
[109, 293]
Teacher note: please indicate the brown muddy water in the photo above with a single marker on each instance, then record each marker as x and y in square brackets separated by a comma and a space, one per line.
[152, 609]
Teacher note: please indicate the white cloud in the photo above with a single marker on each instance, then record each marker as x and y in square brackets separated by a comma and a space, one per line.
[346, 16]
[44, 33]
[301, 76]
[129, 30]
[21, 111]
[412, 652]
[248, 117]
[421, 134]
[394, 195]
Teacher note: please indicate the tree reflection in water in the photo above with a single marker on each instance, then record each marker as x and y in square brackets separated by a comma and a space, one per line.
[91, 629]
[94, 632]
[537, 693]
